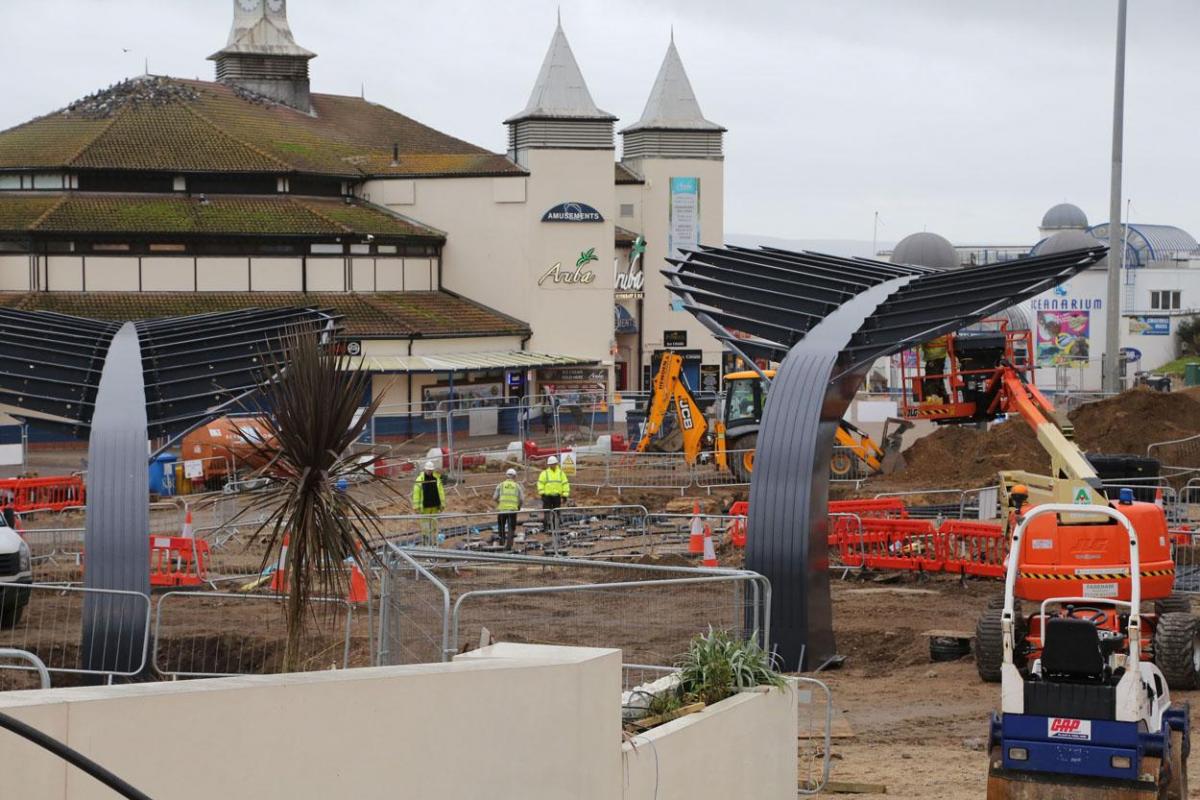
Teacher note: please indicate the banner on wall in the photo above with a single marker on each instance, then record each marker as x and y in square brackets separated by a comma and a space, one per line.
[1150, 326]
[463, 395]
[1062, 337]
[684, 227]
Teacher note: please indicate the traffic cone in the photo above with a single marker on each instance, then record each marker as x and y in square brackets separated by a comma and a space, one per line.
[187, 532]
[279, 577]
[358, 585]
[710, 555]
[696, 540]
[1158, 497]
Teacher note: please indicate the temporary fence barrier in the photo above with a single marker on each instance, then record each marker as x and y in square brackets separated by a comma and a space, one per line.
[51, 626]
[414, 612]
[582, 526]
[32, 662]
[649, 611]
[815, 734]
[973, 548]
[671, 528]
[648, 471]
[961, 547]
[880, 506]
[43, 494]
[213, 634]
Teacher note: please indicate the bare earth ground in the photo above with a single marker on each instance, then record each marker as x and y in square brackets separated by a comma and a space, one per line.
[919, 728]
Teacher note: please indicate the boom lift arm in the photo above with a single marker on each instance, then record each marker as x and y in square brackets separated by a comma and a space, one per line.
[1071, 472]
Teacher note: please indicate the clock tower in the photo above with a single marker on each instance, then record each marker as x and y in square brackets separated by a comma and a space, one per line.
[263, 57]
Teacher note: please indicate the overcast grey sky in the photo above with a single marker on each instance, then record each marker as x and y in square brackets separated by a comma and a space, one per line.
[965, 117]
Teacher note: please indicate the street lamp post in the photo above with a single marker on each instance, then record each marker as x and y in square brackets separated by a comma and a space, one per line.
[1112, 332]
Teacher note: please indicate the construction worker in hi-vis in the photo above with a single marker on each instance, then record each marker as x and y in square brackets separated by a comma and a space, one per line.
[509, 497]
[554, 489]
[429, 499]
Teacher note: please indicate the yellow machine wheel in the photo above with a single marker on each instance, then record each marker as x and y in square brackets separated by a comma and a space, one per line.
[841, 465]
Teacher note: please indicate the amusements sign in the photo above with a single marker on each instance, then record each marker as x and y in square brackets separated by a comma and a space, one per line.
[1150, 326]
[684, 227]
[1062, 337]
[572, 212]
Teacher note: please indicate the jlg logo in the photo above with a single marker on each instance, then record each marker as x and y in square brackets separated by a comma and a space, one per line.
[1067, 728]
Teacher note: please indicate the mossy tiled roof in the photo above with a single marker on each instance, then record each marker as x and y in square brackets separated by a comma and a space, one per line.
[175, 125]
[227, 215]
[384, 314]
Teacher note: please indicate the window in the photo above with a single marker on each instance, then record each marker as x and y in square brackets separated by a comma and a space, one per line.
[168, 248]
[1165, 300]
[626, 209]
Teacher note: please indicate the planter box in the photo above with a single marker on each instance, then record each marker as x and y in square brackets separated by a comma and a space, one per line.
[743, 746]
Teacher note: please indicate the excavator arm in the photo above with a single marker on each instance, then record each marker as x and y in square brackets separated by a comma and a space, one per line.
[671, 389]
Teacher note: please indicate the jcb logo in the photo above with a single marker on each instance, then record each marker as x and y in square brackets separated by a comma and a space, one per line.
[686, 415]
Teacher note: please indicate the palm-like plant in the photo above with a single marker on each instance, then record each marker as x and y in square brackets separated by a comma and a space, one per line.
[311, 412]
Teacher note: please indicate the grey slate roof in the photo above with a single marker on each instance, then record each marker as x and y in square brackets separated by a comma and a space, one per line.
[560, 91]
[672, 104]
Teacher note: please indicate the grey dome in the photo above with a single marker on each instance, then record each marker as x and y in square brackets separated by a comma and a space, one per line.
[1064, 216]
[926, 250]
[1063, 241]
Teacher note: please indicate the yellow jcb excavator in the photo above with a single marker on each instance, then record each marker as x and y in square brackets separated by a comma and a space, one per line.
[734, 434]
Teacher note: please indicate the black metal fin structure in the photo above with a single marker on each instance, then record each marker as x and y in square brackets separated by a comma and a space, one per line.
[826, 319]
[122, 384]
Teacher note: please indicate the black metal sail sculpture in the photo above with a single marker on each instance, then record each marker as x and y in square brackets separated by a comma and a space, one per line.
[826, 319]
[121, 384]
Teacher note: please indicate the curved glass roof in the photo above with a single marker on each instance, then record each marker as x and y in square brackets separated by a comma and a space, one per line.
[1146, 243]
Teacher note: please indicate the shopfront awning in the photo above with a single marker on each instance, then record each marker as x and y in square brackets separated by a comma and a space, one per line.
[462, 362]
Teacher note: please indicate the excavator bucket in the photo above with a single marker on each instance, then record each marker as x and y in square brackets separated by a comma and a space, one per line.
[893, 440]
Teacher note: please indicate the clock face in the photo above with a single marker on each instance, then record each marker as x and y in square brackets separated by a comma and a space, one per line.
[249, 5]
[275, 5]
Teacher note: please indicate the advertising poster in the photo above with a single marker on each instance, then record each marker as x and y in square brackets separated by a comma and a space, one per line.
[1150, 326]
[1062, 337]
[684, 226]
[464, 395]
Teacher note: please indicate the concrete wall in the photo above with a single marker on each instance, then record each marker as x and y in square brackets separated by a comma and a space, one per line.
[709, 754]
[498, 248]
[508, 721]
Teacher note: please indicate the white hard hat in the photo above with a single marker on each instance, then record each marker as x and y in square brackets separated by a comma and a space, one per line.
[551, 461]
[512, 473]
[428, 465]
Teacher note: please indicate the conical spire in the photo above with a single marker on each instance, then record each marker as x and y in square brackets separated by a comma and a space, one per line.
[672, 104]
[560, 90]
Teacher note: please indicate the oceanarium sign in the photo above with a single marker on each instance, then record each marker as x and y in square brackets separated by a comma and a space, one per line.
[572, 212]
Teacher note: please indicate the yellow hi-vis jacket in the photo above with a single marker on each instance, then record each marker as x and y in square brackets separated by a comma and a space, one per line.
[935, 348]
[418, 495]
[509, 496]
[553, 483]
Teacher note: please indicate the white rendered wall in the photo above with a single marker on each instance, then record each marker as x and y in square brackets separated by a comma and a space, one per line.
[14, 273]
[654, 212]
[164, 274]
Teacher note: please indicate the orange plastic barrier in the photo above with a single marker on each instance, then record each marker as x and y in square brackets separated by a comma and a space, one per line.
[911, 544]
[43, 494]
[886, 507]
[178, 561]
[973, 548]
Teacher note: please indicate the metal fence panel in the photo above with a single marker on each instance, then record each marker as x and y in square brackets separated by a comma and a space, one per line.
[51, 627]
[414, 612]
[648, 471]
[212, 634]
[815, 729]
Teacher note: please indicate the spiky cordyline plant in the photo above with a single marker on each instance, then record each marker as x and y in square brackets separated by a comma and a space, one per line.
[311, 417]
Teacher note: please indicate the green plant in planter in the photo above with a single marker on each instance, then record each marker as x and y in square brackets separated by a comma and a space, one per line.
[718, 665]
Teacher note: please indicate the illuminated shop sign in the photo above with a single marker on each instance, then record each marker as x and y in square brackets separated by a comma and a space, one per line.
[572, 212]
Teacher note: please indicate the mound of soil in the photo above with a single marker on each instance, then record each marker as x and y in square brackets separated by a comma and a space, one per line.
[964, 457]
[1133, 420]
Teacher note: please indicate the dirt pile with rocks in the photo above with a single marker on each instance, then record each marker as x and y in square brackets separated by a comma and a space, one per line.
[964, 457]
[1133, 420]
